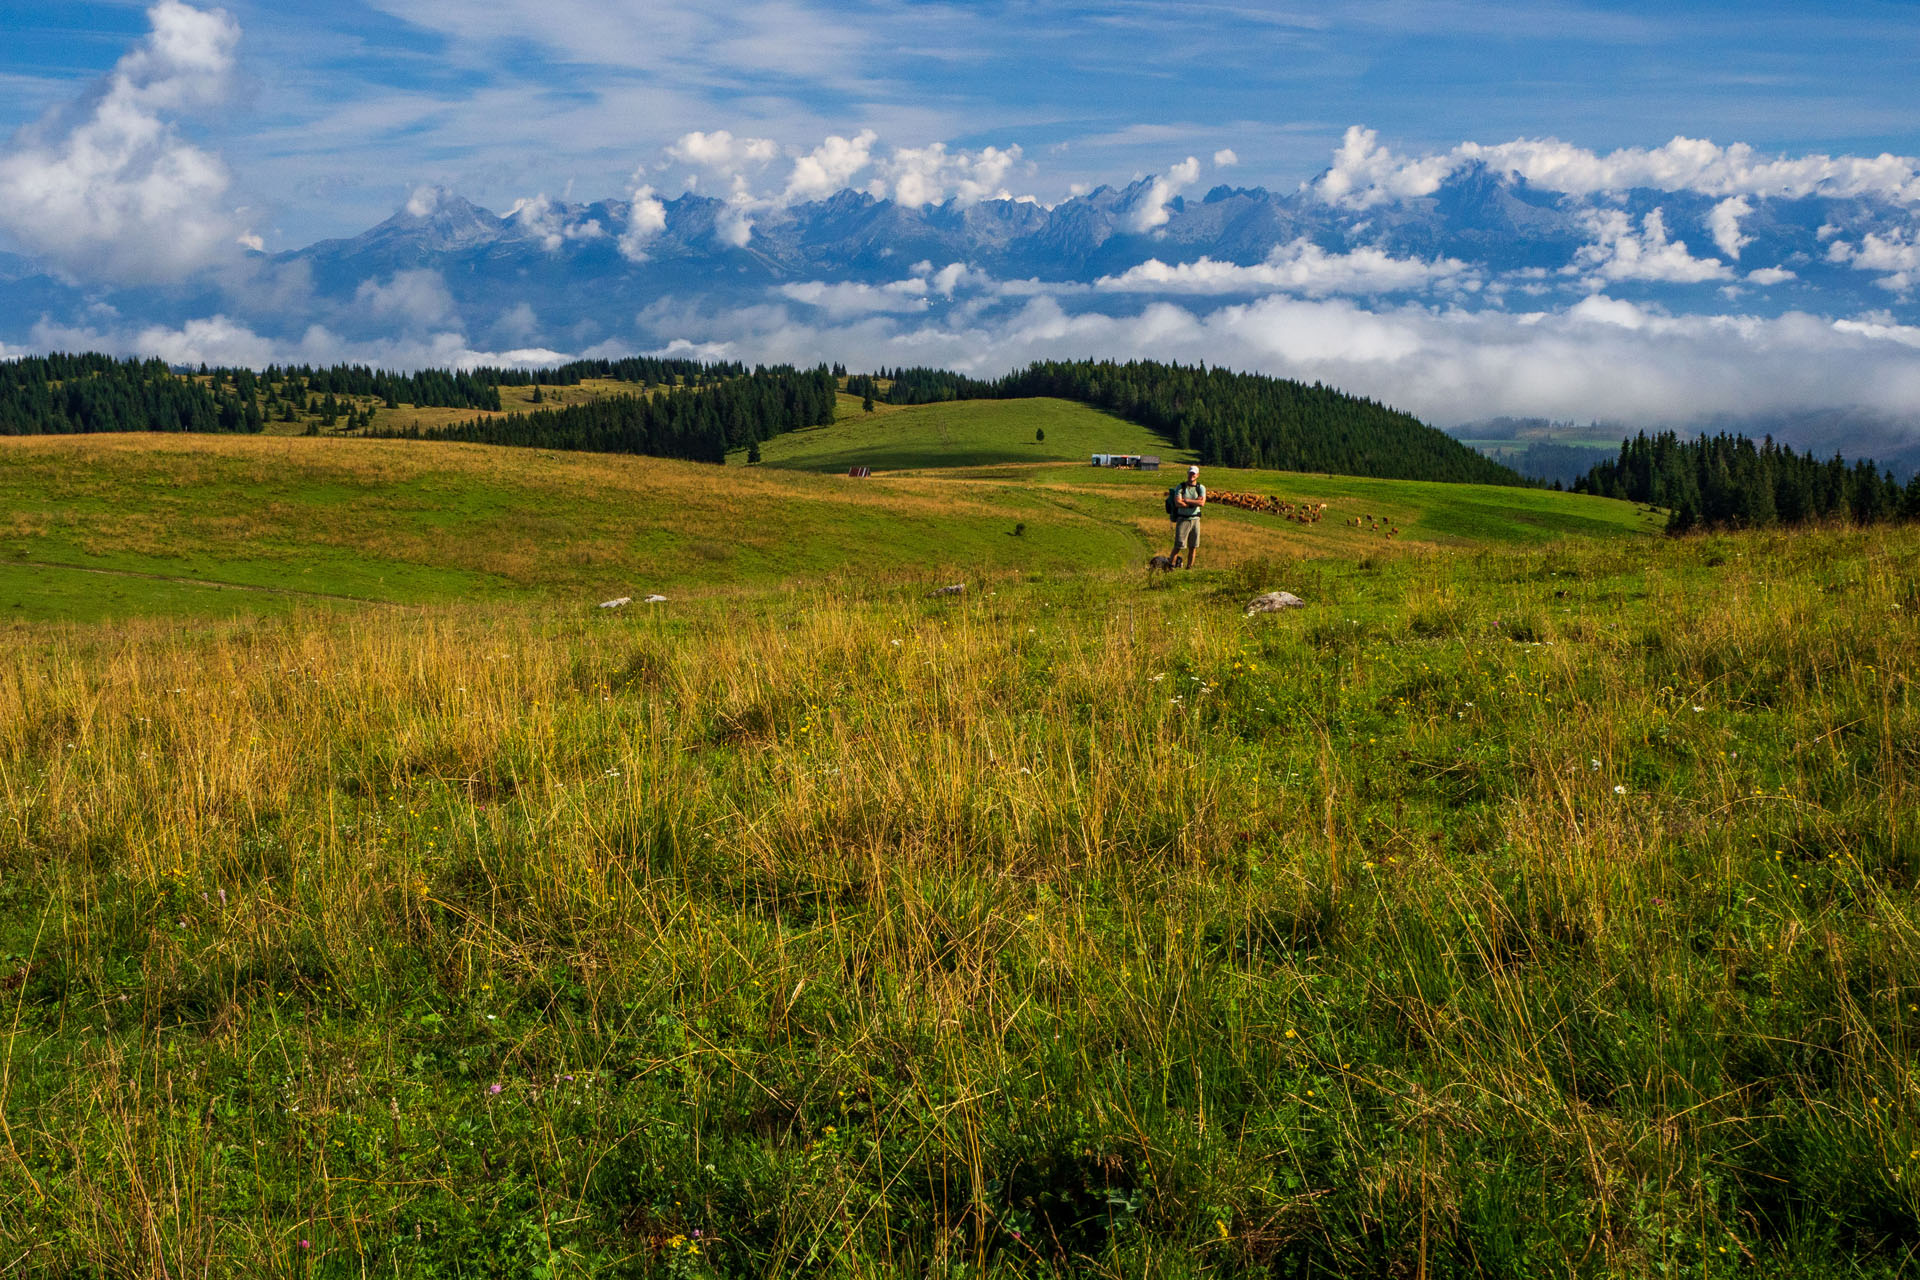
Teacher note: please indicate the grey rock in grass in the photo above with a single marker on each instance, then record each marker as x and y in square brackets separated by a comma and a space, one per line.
[1274, 602]
[616, 604]
[655, 600]
[958, 588]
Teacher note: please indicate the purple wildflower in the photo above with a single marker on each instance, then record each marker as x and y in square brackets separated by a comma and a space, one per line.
[493, 1088]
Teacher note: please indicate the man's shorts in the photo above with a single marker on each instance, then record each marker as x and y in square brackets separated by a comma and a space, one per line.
[1186, 533]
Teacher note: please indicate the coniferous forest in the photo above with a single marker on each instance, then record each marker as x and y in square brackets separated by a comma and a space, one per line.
[1729, 482]
[83, 394]
[695, 424]
[706, 410]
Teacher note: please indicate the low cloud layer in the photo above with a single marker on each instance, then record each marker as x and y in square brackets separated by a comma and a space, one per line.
[1365, 172]
[107, 187]
[1298, 267]
[1602, 358]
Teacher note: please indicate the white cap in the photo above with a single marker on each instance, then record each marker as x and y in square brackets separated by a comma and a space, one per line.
[1193, 471]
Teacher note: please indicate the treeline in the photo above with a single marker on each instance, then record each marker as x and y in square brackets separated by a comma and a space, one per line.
[648, 370]
[83, 394]
[1729, 482]
[1232, 419]
[695, 423]
[77, 394]
[427, 389]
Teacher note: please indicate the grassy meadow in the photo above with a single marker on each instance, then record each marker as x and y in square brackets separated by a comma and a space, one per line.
[962, 433]
[108, 527]
[1511, 910]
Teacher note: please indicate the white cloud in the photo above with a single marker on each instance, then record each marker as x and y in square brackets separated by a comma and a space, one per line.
[1224, 158]
[1895, 254]
[952, 276]
[220, 340]
[860, 299]
[1151, 211]
[518, 324]
[721, 152]
[912, 176]
[1723, 222]
[415, 298]
[107, 187]
[646, 218]
[1365, 173]
[1298, 267]
[917, 176]
[1619, 254]
[1603, 358]
[1771, 275]
[830, 166]
[547, 223]
[914, 294]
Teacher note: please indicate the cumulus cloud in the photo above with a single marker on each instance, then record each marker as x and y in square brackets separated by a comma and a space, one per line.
[918, 176]
[721, 152]
[1723, 223]
[1771, 275]
[1896, 255]
[417, 299]
[911, 176]
[1151, 211]
[830, 166]
[1364, 172]
[736, 163]
[1298, 267]
[107, 187]
[646, 218]
[1619, 253]
[548, 223]
[1224, 158]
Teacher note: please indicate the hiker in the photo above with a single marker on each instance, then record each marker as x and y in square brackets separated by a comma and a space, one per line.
[1184, 503]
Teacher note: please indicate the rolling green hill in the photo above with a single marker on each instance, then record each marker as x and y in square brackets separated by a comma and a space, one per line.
[120, 525]
[960, 433]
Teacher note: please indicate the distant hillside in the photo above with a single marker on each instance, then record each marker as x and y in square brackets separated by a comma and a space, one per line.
[128, 524]
[694, 424]
[685, 409]
[1234, 419]
[1730, 482]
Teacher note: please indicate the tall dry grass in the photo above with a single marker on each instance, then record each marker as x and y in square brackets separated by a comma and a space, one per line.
[1499, 914]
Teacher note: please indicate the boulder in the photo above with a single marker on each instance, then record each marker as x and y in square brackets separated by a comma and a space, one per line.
[655, 600]
[1274, 602]
[615, 604]
[958, 588]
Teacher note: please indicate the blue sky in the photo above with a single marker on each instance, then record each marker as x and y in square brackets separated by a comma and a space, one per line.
[338, 110]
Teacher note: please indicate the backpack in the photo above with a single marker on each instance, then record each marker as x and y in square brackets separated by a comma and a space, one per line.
[1173, 504]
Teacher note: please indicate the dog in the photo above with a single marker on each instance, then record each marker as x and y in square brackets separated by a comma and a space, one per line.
[1162, 563]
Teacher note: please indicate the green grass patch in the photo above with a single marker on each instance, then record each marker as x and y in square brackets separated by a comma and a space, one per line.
[417, 522]
[965, 433]
[1507, 911]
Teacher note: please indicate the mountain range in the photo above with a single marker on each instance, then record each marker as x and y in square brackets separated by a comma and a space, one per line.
[445, 281]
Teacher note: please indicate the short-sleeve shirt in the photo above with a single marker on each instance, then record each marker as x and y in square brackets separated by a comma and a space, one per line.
[1190, 492]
